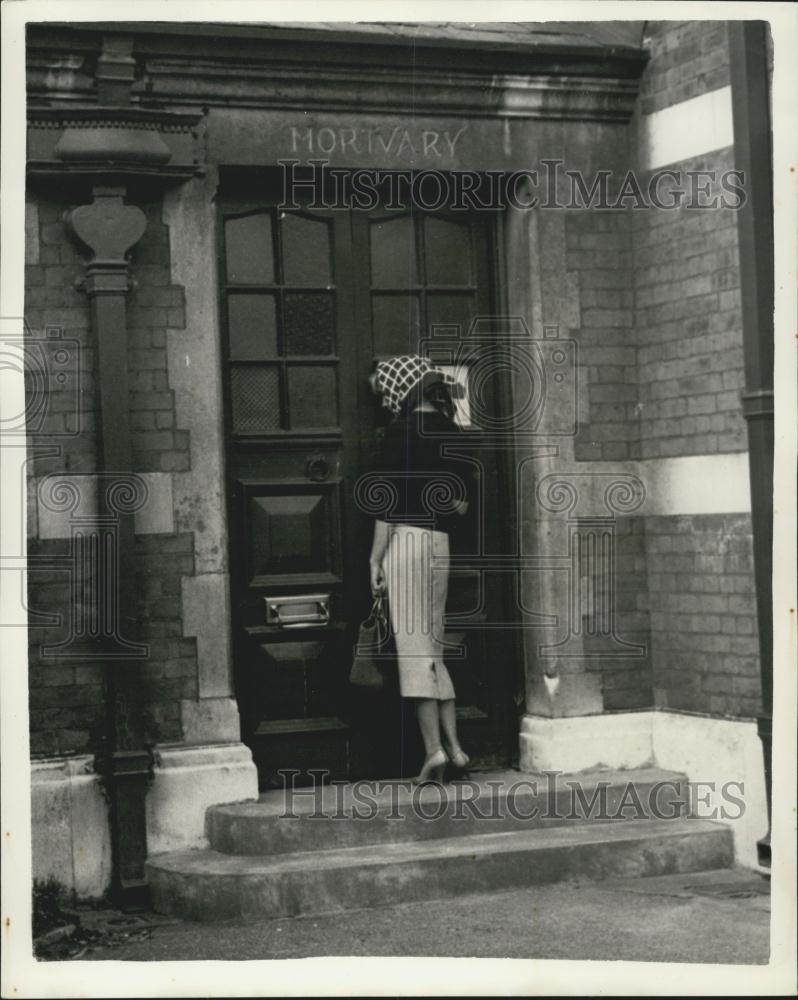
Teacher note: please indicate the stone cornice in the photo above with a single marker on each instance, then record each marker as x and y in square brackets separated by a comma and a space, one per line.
[557, 82]
[269, 85]
[540, 47]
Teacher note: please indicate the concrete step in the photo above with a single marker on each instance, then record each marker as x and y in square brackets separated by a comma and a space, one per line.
[348, 815]
[211, 886]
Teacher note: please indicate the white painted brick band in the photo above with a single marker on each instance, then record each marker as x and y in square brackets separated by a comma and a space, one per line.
[696, 484]
[693, 484]
[687, 129]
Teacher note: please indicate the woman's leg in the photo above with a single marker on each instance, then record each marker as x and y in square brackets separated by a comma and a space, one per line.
[448, 722]
[435, 759]
[427, 715]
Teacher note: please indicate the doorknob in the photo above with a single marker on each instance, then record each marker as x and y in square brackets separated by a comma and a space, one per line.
[317, 468]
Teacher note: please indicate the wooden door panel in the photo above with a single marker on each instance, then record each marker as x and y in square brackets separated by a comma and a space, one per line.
[291, 534]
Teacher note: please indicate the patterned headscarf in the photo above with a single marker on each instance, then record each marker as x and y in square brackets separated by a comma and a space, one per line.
[396, 377]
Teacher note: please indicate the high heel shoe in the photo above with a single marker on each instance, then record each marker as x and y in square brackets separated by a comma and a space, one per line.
[460, 761]
[433, 768]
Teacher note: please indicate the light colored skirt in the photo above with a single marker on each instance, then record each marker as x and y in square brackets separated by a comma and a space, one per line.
[416, 567]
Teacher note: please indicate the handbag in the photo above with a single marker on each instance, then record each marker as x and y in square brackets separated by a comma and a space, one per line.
[373, 649]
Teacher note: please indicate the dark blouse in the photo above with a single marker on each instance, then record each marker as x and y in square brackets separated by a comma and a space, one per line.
[426, 485]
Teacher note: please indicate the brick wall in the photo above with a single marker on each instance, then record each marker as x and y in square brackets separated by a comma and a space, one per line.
[67, 702]
[54, 303]
[689, 326]
[703, 613]
[662, 354]
[627, 682]
[686, 271]
[598, 252]
[688, 58]
[660, 318]
[170, 672]
[67, 696]
[154, 305]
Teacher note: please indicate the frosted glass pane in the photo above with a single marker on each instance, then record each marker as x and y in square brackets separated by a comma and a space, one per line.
[449, 310]
[252, 326]
[393, 253]
[256, 399]
[447, 252]
[395, 324]
[309, 323]
[306, 250]
[312, 396]
[249, 249]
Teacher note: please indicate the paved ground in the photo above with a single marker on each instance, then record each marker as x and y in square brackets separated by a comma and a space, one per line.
[709, 917]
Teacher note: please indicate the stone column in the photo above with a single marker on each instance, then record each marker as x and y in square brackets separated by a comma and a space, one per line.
[567, 511]
[542, 450]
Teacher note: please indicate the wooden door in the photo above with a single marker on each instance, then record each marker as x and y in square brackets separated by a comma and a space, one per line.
[311, 299]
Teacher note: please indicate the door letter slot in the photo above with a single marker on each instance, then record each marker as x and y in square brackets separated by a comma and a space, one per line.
[298, 610]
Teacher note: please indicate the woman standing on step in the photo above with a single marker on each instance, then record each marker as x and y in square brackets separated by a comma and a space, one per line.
[410, 551]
